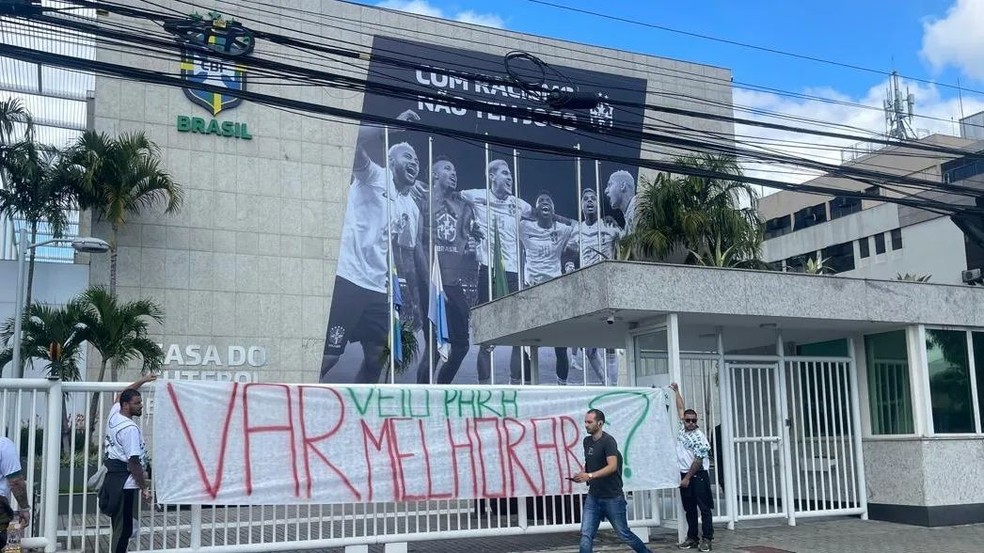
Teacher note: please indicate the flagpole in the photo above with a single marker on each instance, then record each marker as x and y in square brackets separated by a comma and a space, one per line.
[390, 189]
[600, 202]
[580, 257]
[488, 246]
[430, 257]
[601, 214]
[519, 257]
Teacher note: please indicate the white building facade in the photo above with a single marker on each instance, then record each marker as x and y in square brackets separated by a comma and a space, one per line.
[870, 238]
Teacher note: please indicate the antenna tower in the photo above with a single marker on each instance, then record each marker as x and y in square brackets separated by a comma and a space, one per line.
[898, 111]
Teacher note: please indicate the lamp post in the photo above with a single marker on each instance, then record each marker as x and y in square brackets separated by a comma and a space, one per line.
[82, 245]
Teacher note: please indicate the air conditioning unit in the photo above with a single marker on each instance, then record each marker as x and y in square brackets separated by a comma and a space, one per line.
[972, 276]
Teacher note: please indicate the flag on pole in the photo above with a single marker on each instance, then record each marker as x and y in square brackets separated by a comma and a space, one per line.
[437, 312]
[397, 353]
[499, 285]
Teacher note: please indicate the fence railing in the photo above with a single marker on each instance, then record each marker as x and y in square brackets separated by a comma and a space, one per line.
[57, 467]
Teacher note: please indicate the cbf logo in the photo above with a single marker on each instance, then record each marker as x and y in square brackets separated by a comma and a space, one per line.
[216, 33]
[603, 114]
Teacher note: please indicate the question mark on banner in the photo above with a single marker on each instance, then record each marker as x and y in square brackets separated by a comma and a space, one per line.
[635, 426]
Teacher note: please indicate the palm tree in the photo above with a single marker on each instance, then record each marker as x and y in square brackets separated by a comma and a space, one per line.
[123, 176]
[119, 332]
[40, 188]
[53, 334]
[697, 220]
[13, 113]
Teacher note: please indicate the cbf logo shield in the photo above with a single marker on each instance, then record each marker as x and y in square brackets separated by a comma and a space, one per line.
[213, 33]
[200, 69]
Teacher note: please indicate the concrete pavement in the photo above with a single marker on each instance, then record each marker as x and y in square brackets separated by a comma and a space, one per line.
[840, 535]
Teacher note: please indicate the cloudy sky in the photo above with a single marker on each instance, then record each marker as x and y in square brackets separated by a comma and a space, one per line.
[842, 52]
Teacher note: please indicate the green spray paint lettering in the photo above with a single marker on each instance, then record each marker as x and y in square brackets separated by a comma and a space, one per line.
[635, 426]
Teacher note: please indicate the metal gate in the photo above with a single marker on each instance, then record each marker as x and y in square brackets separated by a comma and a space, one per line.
[785, 443]
[759, 450]
[827, 472]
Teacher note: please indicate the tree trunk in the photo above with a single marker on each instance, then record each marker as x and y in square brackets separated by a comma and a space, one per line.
[112, 264]
[30, 266]
[94, 407]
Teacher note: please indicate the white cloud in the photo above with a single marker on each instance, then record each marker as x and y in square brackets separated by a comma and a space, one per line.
[957, 39]
[486, 19]
[422, 7]
[933, 114]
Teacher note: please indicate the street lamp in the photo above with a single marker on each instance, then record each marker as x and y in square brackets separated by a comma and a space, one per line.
[82, 245]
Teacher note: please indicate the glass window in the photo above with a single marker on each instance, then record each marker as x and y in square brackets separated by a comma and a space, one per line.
[651, 357]
[880, 243]
[889, 396]
[978, 339]
[839, 258]
[864, 245]
[897, 239]
[949, 381]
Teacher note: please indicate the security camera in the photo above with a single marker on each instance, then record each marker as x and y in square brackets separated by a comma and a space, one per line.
[610, 320]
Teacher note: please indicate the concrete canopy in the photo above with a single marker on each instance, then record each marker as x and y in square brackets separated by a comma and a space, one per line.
[746, 305]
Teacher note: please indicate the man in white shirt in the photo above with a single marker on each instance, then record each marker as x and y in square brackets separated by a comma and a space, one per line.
[544, 242]
[126, 462]
[693, 454]
[621, 193]
[497, 211]
[12, 481]
[360, 309]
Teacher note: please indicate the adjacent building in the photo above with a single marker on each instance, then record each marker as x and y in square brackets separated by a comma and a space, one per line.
[873, 238]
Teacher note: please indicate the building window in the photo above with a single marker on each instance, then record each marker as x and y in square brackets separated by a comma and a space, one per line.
[839, 258]
[897, 239]
[778, 226]
[880, 243]
[864, 245]
[842, 206]
[809, 216]
[949, 381]
[889, 395]
[873, 190]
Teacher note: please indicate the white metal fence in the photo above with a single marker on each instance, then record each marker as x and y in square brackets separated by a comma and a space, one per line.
[68, 511]
[785, 443]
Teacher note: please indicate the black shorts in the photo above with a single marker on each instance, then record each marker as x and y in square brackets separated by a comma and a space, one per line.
[357, 315]
[458, 314]
[512, 281]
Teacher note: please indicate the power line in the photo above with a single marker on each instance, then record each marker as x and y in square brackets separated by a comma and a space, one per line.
[148, 76]
[745, 45]
[687, 145]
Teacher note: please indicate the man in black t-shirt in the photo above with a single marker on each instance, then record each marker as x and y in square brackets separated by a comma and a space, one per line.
[603, 474]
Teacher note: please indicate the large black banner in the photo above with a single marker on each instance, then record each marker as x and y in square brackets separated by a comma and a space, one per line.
[496, 219]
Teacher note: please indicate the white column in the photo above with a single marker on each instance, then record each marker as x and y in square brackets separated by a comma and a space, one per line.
[856, 417]
[52, 457]
[727, 434]
[922, 411]
[673, 347]
[782, 408]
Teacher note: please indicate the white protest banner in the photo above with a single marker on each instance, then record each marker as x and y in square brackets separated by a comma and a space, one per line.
[258, 443]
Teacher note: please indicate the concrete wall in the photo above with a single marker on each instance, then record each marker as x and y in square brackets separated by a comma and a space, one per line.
[249, 260]
[927, 481]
